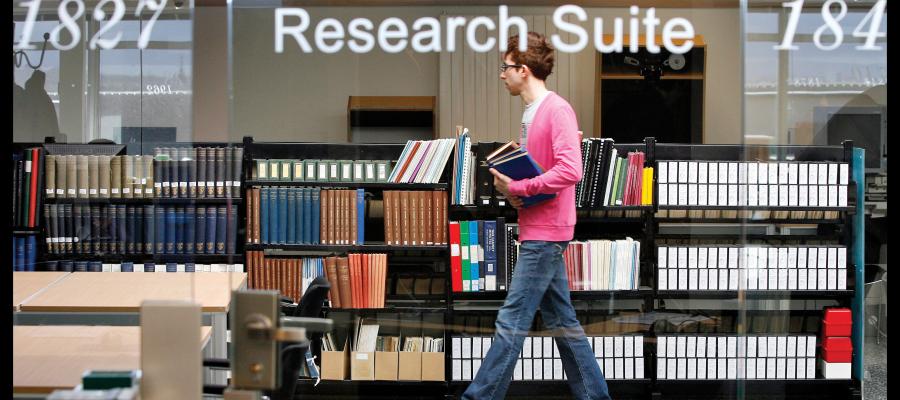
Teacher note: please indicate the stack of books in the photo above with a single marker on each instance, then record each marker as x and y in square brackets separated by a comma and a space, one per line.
[28, 181]
[289, 276]
[352, 171]
[478, 255]
[463, 184]
[514, 162]
[603, 264]
[422, 161]
[202, 172]
[415, 218]
[357, 281]
[100, 177]
[609, 180]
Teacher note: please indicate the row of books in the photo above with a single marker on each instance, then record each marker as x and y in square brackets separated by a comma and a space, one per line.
[27, 179]
[422, 161]
[415, 218]
[352, 171]
[142, 229]
[290, 276]
[603, 264]
[198, 172]
[360, 280]
[100, 176]
[752, 268]
[736, 357]
[619, 357]
[99, 266]
[609, 180]
[290, 215]
[463, 174]
[753, 184]
[24, 253]
[750, 215]
[477, 251]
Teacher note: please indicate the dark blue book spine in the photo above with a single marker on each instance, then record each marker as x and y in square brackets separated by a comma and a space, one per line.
[30, 252]
[160, 241]
[19, 264]
[314, 221]
[231, 229]
[220, 229]
[149, 229]
[200, 245]
[189, 267]
[190, 229]
[264, 215]
[170, 230]
[52, 265]
[292, 216]
[95, 266]
[131, 231]
[179, 230]
[66, 266]
[81, 266]
[171, 267]
[112, 242]
[123, 228]
[282, 215]
[127, 266]
[210, 230]
[305, 215]
[360, 216]
[274, 222]
[149, 267]
[138, 229]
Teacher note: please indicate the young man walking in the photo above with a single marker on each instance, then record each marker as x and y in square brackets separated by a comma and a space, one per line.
[550, 134]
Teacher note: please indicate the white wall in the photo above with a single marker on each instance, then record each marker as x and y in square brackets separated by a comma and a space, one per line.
[303, 97]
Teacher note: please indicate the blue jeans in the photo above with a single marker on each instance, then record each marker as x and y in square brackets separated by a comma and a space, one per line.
[539, 280]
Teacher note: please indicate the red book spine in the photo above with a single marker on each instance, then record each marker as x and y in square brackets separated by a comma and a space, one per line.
[33, 187]
[455, 258]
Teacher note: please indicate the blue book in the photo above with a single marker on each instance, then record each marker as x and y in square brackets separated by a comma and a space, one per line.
[360, 216]
[220, 229]
[231, 230]
[314, 221]
[149, 267]
[179, 230]
[149, 229]
[292, 216]
[264, 215]
[190, 229]
[171, 267]
[131, 232]
[138, 229]
[160, 241]
[273, 215]
[127, 266]
[123, 228]
[95, 266]
[282, 215]
[30, 252]
[518, 165]
[200, 245]
[490, 255]
[66, 266]
[189, 267]
[306, 215]
[170, 230]
[210, 241]
[19, 264]
[81, 266]
[113, 241]
[473, 255]
[481, 266]
[52, 265]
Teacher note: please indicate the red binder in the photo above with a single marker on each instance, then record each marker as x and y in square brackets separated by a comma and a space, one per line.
[455, 258]
[32, 201]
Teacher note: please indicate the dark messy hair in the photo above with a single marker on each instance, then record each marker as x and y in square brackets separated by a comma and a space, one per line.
[539, 57]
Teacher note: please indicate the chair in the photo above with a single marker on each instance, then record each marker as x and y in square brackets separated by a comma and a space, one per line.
[876, 295]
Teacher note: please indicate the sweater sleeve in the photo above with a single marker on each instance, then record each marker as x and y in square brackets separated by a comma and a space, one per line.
[566, 170]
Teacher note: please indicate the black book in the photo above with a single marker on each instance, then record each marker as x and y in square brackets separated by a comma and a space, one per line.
[512, 255]
[103, 228]
[112, 216]
[39, 193]
[173, 172]
[53, 230]
[210, 241]
[220, 172]
[200, 245]
[201, 172]
[48, 226]
[160, 230]
[184, 165]
[66, 265]
[226, 167]
[171, 227]
[190, 229]
[17, 183]
[161, 169]
[220, 229]
[52, 265]
[138, 229]
[81, 266]
[231, 229]
[179, 230]
[210, 172]
[130, 230]
[95, 266]
[236, 171]
[501, 253]
[602, 171]
[78, 226]
[192, 173]
[149, 229]
[589, 188]
[584, 164]
[484, 180]
[96, 228]
[88, 245]
[122, 235]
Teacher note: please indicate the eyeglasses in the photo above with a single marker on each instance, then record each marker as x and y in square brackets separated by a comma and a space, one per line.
[504, 66]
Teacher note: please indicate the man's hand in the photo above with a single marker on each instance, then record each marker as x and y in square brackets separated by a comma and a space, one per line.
[500, 183]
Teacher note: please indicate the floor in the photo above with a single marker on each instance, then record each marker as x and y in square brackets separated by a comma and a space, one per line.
[875, 380]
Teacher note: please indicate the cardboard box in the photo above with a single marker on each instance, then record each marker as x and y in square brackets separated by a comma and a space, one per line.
[410, 366]
[433, 366]
[835, 370]
[362, 366]
[386, 365]
[335, 365]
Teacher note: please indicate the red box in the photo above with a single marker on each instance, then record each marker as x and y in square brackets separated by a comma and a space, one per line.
[838, 322]
[837, 350]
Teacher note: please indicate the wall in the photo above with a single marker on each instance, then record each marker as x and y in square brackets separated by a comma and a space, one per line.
[303, 97]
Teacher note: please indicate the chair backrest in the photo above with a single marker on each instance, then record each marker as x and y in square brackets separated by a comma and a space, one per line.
[310, 304]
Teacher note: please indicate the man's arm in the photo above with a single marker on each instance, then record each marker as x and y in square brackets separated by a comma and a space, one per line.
[567, 152]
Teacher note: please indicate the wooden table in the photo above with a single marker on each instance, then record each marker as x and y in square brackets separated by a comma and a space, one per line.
[46, 358]
[27, 284]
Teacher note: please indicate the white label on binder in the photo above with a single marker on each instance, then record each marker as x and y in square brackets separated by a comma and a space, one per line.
[733, 173]
[692, 172]
[804, 196]
[751, 368]
[199, 184]
[691, 347]
[813, 174]
[773, 173]
[832, 196]
[673, 280]
[823, 196]
[753, 195]
[527, 346]
[703, 280]
[731, 368]
[663, 279]
[629, 346]
[823, 174]
[682, 255]
[781, 369]
[136, 191]
[682, 279]
[742, 195]
[663, 168]
[692, 257]
[792, 279]
[762, 344]
[832, 257]
[713, 279]
[763, 174]
[682, 172]
[792, 173]
[803, 174]
[661, 348]
[639, 368]
[467, 347]
[812, 280]
[783, 196]
[61, 191]
[772, 346]
[83, 191]
[841, 257]
[792, 346]
[802, 279]
[638, 346]
[456, 347]
[821, 257]
[762, 195]
[661, 368]
[713, 173]
[813, 196]
[702, 194]
[456, 368]
[842, 279]
[692, 369]
[734, 280]
[760, 368]
[793, 200]
[597, 344]
[723, 173]
[731, 350]
[722, 195]
[692, 279]
[782, 279]
[781, 346]
[732, 195]
[548, 346]
[671, 346]
[723, 257]
[608, 347]
[742, 173]
[692, 194]
[682, 194]
[764, 279]
[661, 258]
[673, 172]
[844, 174]
[773, 195]
[782, 173]
[791, 257]
[832, 279]
[681, 372]
[842, 196]
[558, 369]
[672, 369]
[362, 356]
[702, 172]
[832, 174]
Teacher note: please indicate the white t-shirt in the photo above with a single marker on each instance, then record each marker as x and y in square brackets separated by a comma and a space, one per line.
[527, 117]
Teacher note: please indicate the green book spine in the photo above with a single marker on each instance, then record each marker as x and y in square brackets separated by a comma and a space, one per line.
[466, 262]
[622, 174]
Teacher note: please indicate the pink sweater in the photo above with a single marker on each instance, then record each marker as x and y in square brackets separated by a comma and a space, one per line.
[554, 144]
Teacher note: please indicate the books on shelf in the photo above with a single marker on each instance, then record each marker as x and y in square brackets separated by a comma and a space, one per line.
[325, 170]
[716, 268]
[463, 174]
[415, 218]
[769, 357]
[201, 172]
[422, 161]
[28, 167]
[140, 229]
[289, 276]
[298, 215]
[515, 162]
[611, 178]
[100, 266]
[24, 253]
[603, 264]
[620, 357]
[478, 259]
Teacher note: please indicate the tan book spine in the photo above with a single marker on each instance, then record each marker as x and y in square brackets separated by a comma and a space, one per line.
[443, 221]
[335, 293]
[71, 177]
[256, 216]
[326, 217]
[297, 274]
[93, 177]
[398, 230]
[405, 238]
[61, 172]
[332, 216]
[386, 212]
[127, 177]
[354, 219]
[343, 270]
[423, 220]
[251, 269]
[348, 221]
[249, 214]
[50, 176]
[83, 179]
[383, 278]
[115, 177]
[323, 217]
[428, 219]
[149, 177]
[415, 204]
[139, 179]
[436, 216]
[104, 176]
[339, 221]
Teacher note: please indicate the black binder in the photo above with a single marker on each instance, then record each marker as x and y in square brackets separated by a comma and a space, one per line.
[484, 180]
[500, 245]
